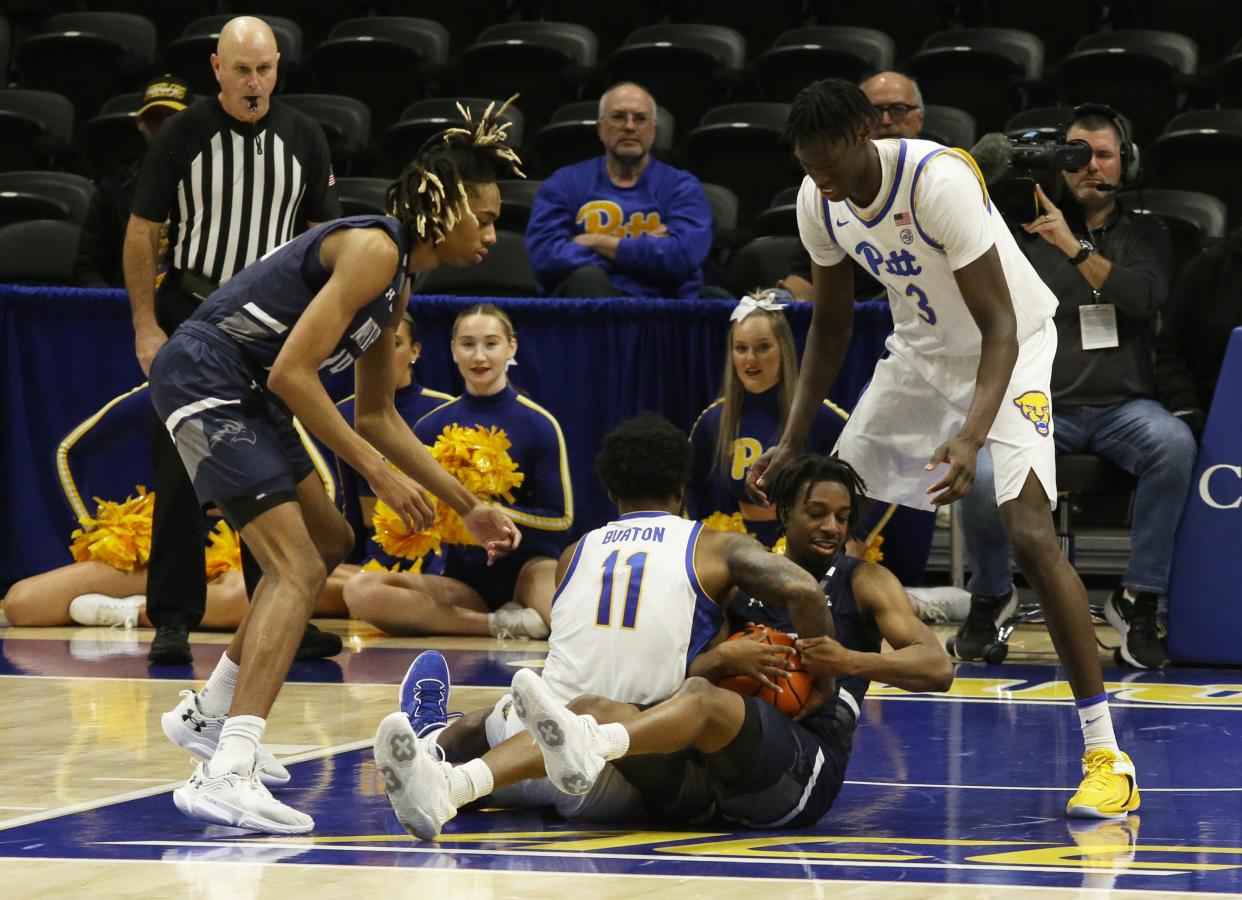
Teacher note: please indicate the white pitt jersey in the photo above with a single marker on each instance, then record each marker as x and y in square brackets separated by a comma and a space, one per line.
[630, 613]
[925, 222]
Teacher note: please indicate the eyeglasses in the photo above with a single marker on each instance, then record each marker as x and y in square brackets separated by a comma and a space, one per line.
[896, 111]
[621, 118]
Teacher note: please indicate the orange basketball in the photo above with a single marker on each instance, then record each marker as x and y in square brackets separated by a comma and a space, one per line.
[796, 687]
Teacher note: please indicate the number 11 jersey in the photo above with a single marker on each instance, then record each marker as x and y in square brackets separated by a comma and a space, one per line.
[630, 614]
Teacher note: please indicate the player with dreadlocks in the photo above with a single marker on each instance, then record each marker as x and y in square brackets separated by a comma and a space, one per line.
[227, 385]
[704, 754]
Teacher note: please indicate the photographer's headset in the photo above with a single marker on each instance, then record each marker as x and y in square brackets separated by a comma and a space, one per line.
[1131, 171]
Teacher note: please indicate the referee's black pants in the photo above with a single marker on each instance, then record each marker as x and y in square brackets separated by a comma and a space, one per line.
[176, 572]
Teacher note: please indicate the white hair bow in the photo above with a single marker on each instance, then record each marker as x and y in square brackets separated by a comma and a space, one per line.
[748, 304]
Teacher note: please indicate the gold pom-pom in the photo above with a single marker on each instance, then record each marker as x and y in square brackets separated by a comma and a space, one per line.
[479, 458]
[374, 565]
[873, 553]
[781, 546]
[119, 534]
[223, 550]
[396, 539]
[720, 521]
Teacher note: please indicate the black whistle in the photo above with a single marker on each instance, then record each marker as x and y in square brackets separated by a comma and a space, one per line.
[254, 104]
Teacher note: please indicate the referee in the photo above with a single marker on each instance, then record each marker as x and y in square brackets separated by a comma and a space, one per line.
[232, 178]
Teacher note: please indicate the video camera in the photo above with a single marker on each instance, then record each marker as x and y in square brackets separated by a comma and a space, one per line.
[1011, 168]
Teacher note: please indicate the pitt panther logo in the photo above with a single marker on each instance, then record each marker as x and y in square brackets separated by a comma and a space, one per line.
[1034, 407]
[902, 263]
[236, 432]
[605, 217]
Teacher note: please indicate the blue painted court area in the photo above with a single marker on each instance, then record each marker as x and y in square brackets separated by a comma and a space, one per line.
[968, 788]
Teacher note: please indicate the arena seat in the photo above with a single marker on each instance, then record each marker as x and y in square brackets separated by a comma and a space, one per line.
[802, 55]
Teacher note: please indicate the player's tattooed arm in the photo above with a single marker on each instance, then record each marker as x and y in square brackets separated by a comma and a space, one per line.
[775, 580]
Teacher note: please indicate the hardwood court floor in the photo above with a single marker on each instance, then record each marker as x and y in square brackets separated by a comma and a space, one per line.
[958, 795]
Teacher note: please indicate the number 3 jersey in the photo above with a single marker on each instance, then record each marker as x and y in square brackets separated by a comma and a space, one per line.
[630, 614]
[931, 216]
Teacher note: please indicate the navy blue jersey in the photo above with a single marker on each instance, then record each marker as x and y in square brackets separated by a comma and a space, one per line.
[716, 485]
[260, 305]
[853, 632]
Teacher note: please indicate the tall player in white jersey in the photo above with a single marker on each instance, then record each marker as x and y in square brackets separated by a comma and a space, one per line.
[637, 600]
[969, 364]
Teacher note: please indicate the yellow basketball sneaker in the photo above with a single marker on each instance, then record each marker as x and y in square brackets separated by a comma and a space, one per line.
[1108, 789]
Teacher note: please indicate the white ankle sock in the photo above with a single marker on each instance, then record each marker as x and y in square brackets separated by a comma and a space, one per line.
[239, 738]
[1096, 722]
[616, 740]
[217, 693]
[469, 782]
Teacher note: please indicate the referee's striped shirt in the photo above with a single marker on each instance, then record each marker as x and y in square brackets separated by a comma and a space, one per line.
[231, 191]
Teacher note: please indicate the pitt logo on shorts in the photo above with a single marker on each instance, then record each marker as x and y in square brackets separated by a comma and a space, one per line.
[1034, 407]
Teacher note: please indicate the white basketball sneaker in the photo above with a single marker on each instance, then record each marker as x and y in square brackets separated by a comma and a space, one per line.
[239, 801]
[100, 609]
[514, 621]
[416, 782]
[570, 743]
[189, 727]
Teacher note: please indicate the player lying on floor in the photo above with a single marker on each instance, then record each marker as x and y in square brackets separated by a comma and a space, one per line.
[705, 753]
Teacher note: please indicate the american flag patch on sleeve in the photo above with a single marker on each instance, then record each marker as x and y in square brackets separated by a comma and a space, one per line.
[902, 219]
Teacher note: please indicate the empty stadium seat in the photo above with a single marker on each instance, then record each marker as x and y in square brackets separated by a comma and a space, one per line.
[387, 62]
[760, 20]
[983, 71]
[1138, 73]
[571, 136]
[346, 123]
[907, 22]
[803, 55]
[87, 57]
[781, 216]
[41, 251]
[610, 20]
[1229, 78]
[517, 198]
[760, 263]
[1058, 23]
[362, 196]
[724, 206]
[1199, 151]
[111, 139]
[546, 63]
[44, 195]
[1192, 218]
[420, 120]
[35, 128]
[949, 126]
[742, 147]
[504, 272]
[687, 68]
[1214, 25]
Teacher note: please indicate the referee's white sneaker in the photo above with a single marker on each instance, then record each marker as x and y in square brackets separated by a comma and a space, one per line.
[239, 801]
[570, 743]
[416, 782]
[190, 728]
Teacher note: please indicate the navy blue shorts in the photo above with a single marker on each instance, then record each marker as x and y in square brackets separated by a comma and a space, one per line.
[777, 773]
[235, 439]
[495, 583]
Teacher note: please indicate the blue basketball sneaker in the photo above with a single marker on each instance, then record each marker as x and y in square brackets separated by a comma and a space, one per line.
[425, 693]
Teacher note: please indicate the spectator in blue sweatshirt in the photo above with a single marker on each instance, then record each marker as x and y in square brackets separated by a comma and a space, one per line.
[623, 224]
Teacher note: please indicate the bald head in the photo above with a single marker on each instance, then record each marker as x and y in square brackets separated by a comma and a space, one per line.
[245, 64]
[900, 104]
[627, 126]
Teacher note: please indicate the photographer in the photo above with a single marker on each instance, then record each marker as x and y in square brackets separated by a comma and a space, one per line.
[1109, 271]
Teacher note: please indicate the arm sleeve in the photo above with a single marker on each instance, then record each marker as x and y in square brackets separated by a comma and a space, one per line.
[156, 188]
[812, 228]
[99, 247]
[321, 202]
[1138, 285]
[951, 208]
[679, 255]
[1175, 380]
[702, 446]
[552, 506]
[550, 235]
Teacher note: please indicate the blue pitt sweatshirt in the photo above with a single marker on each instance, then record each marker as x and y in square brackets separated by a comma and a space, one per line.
[582, 198]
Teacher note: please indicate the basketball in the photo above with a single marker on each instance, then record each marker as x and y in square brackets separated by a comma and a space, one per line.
[797, 686]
